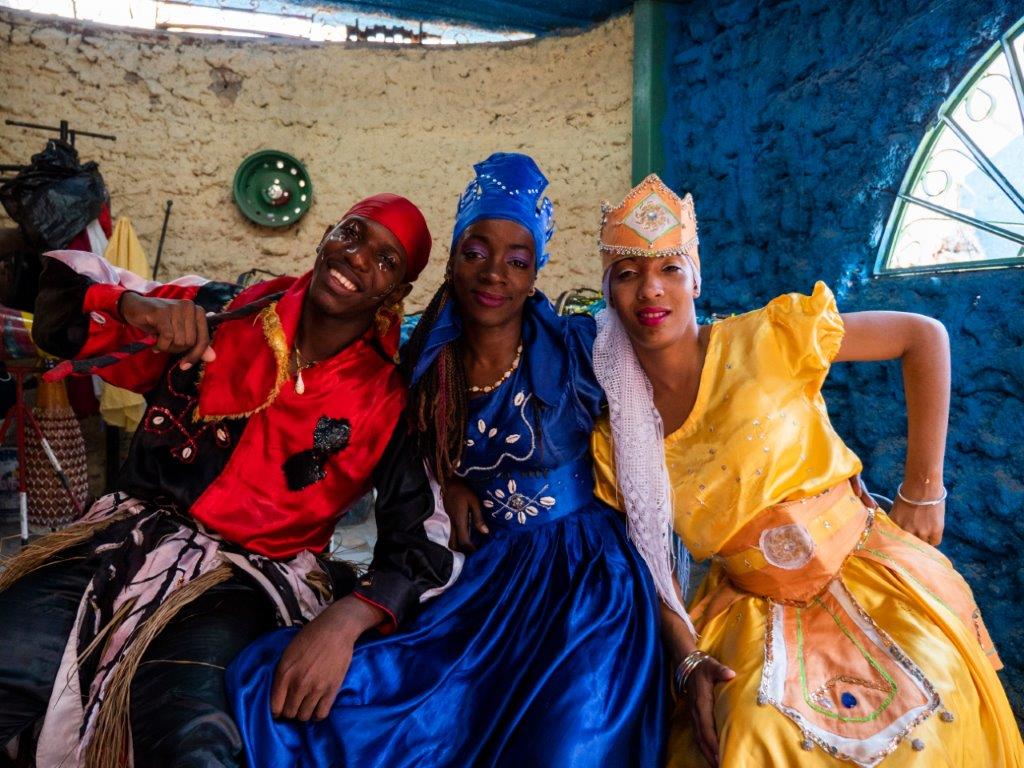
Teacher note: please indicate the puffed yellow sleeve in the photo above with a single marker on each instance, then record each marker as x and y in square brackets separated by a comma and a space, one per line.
[809, 330]
[605, 482]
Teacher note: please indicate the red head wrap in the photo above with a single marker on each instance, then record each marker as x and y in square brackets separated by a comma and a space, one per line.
[405, 221]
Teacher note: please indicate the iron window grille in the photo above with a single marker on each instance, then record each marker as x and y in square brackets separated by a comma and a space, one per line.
[961, 204]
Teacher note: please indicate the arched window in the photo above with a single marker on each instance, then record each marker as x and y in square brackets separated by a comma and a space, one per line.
[961, 205]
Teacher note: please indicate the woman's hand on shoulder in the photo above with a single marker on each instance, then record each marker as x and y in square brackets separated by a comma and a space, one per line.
[463, 508]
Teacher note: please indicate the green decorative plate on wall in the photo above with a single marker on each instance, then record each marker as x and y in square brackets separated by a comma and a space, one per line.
[272, 188]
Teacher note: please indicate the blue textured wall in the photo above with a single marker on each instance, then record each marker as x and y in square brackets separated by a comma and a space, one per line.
[793, 124]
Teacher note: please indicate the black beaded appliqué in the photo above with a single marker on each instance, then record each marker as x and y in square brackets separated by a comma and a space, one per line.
[307, 467]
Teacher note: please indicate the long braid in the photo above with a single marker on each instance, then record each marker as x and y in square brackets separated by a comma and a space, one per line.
[439, 401]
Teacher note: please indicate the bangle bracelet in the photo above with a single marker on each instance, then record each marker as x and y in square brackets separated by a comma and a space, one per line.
[685, 669]
[695, 660]
[932, 503]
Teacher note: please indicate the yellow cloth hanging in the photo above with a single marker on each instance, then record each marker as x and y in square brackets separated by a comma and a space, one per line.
[119, 407]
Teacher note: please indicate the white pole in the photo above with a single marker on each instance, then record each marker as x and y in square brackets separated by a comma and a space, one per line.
[23, 500]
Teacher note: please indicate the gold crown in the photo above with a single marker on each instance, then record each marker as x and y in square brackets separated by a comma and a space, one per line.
[651, 222]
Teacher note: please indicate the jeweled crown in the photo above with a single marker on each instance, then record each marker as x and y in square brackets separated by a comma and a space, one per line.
[651, 222]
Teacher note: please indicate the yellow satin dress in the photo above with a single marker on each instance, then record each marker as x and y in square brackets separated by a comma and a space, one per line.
[885, 662]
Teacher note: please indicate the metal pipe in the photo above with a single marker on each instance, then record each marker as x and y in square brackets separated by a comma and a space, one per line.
[60, 129]
[163, 235]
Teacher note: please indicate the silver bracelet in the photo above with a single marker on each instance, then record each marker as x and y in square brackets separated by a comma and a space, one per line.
[932, 503]
[685, 669]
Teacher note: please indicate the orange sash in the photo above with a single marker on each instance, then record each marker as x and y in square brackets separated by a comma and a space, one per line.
[850, 689]
[791, 552]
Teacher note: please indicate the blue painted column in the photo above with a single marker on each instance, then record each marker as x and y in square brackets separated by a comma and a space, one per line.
[650, 50]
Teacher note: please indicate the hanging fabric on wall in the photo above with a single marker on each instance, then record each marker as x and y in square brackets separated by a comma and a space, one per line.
[119, 407]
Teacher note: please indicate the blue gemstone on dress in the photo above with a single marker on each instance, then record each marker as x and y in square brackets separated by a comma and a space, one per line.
[849, 700]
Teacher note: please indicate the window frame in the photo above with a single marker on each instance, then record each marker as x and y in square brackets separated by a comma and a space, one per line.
[944, 119]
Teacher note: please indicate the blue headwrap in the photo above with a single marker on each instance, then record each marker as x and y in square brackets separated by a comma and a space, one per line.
[508, 186]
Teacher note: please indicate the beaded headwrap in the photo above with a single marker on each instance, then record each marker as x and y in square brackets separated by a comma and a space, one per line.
[508, 186]
[651, 222]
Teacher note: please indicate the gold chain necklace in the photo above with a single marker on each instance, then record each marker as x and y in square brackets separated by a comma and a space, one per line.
[504, 376]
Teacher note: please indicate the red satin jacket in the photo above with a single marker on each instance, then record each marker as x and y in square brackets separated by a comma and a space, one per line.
[233, 444]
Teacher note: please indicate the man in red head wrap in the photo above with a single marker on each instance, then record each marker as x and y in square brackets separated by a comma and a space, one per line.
[260, 431]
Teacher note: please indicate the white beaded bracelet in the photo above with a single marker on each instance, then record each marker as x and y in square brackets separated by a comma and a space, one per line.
[932, 503]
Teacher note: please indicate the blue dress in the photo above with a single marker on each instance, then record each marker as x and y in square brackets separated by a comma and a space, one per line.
[545, 651]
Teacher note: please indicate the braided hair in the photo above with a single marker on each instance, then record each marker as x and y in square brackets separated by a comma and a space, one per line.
[438, 404]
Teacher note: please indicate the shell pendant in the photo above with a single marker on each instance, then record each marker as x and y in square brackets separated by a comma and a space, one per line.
[300, 385]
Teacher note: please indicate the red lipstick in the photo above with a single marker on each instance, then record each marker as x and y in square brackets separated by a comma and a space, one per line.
[652, 316]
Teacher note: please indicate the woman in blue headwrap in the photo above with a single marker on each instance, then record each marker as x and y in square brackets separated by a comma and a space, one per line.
[545, 650]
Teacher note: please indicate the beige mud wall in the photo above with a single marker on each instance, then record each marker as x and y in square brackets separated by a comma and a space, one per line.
[187, 110]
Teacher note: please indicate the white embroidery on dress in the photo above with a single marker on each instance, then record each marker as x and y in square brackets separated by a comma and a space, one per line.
[516, 504]
[521, 400]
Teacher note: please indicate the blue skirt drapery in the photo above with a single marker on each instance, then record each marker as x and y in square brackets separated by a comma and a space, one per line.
[545, 652]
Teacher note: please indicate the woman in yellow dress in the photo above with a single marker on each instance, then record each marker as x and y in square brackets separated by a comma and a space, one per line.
[828, 632]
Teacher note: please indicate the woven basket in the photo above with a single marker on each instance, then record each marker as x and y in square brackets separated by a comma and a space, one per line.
[48, 505]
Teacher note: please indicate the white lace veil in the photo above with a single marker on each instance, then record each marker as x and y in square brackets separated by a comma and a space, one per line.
[638, 444]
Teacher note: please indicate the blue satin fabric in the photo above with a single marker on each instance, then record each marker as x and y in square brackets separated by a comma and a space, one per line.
[516, 501]
[545, 651]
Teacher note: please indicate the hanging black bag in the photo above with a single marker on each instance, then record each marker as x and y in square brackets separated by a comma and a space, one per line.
[55, 197]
